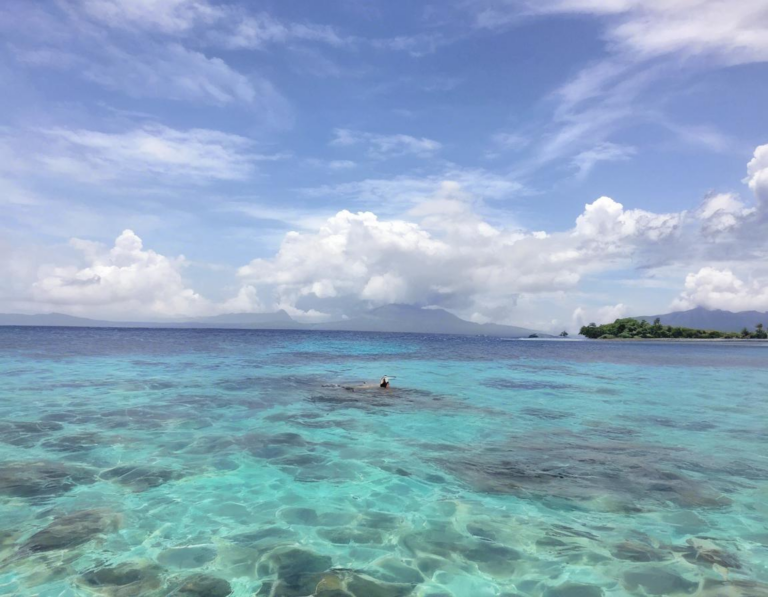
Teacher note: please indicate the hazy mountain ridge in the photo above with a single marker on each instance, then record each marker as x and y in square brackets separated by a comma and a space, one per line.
[706, 319]
[389, 318]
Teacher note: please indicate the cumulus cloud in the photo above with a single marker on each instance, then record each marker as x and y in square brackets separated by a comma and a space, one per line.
[386, 146]
[125, 279]
[439, 251]
[607, 314]
[757, 175]
[608, 221]
[195, 155]
[448, 257]
[723, 212]
[714, 288]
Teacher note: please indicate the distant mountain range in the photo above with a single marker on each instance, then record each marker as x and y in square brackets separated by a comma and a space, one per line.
[705, 319]
[389, 318]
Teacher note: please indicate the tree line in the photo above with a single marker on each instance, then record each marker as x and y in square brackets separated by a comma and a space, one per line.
[633, 328]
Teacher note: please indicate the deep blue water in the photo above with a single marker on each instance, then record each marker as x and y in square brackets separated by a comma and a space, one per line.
[203, 462]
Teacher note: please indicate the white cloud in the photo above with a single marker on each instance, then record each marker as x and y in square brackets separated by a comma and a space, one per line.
[757, 175]
[510, 141]
[341, 164]
[440, 251]
[602, 152]
[722, 212]
[714, 288]
[224, 24]
[417, 45]
[600, 315]
[735, 32]
[305, 219]
[125, 279]
[255, 31]
[648, 40]
[448, 257]
[165, 16]
[152, 151]
[607, 221]
[332, 164]
[149, 59]
[386, 146]
[173, 72]
[403, 190]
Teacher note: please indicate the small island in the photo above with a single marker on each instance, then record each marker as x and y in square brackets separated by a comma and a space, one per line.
[634, 329]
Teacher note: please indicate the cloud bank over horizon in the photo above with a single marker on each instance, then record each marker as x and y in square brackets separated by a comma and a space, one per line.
[444, 255]
[181, 158]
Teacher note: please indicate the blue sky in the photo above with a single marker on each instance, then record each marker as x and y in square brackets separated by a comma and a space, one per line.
[538, 163]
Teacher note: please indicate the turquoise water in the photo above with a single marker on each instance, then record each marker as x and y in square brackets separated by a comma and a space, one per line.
[197, 462]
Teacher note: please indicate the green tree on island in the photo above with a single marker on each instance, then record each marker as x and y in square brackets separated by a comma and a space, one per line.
[629, 328]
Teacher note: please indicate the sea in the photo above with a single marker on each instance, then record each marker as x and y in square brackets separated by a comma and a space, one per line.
[263, 463]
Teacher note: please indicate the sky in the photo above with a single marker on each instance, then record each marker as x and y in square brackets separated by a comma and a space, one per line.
[542, 163]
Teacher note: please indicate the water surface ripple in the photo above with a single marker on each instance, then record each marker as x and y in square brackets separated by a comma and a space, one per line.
[213, 463]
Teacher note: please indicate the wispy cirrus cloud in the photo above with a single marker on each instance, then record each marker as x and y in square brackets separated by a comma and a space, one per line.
[165, 16]
[143, 49]
[403, 191]
[386, 146]
[647, 42]
[151, 152]
[585, 161]
[734, 32]
[174, 72]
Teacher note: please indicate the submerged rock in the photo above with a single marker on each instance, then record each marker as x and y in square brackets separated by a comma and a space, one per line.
[705, 552]
[292, 563]
[444, 542]
[140, 478]
[734, 588]
[80, 442]
[41, 479]
[657, 581]
[347, 535]
[306, 459]
[263, 538]
[635, 551]
[202, 585]
[302, 573]
[429, 565]
[601, 474]
[392, 569]
[300, 516]
[25, 434]
[570, 589]
[493, 558]
[187, 556]
[380, 520]
[335, 583]
[361, 586]
[128, 579]
[482, 530]
[73, 530]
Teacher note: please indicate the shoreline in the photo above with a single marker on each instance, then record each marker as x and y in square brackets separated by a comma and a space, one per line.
[733, 340]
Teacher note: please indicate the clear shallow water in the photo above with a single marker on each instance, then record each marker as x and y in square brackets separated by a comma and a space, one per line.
[191, 462]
